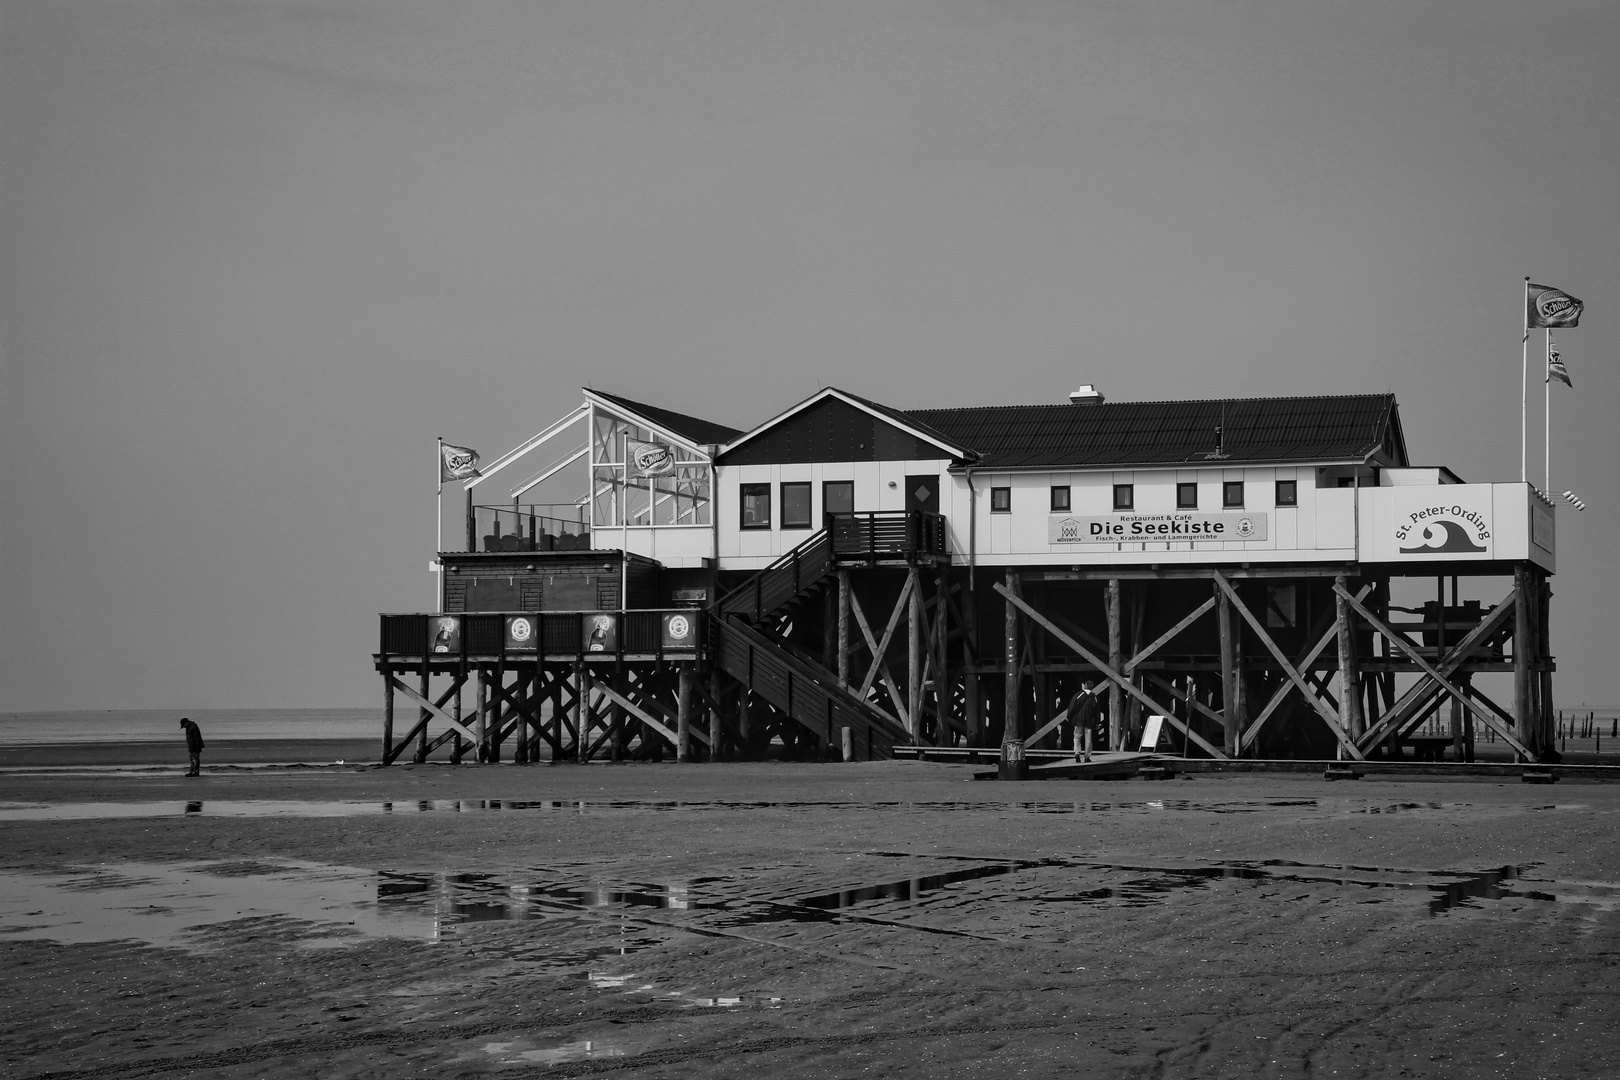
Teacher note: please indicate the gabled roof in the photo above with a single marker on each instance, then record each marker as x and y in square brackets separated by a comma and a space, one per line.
[691, 428]
[1342, 428]
[906, 422]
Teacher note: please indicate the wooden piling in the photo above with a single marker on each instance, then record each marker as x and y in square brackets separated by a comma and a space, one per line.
[1116, 660]
[1014, 670]
[1350, 715]
[683, 716]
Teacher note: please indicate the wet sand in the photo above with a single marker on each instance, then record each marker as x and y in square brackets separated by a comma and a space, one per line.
[884, 919]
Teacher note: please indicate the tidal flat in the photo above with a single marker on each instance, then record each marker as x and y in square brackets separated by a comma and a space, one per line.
[798, 920]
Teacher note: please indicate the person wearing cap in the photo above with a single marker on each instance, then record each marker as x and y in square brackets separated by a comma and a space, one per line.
[194, 745]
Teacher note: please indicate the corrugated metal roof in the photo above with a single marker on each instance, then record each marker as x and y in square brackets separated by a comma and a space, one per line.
[688, 427]
[1166, 432]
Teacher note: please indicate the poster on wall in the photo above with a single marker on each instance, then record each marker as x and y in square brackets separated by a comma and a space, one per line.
[601, 632]
[1452, 522]
[680, 630]
[444, 634]
[522, 633]
[1130, 528]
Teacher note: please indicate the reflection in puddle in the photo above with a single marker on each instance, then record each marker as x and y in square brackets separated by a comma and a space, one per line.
[317, 808]
[579, 1050]
[178, 904]
[202, 905]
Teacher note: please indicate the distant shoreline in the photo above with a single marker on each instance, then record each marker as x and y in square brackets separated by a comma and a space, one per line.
[224, 751]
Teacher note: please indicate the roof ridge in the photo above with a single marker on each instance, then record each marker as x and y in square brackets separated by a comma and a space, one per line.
[1160, 401]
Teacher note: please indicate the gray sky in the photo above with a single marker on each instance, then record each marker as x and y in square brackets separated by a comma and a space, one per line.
[257, 255]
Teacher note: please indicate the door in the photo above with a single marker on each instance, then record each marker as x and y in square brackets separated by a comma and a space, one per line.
[922, 493]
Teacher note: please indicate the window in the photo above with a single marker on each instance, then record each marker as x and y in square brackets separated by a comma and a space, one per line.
[796, 506]
[1060, 499]
[756, 506]
[1187, 496]
[1232, 494]
[1001, 500]
[838, 497]
[1287, 493]
[1124, 496]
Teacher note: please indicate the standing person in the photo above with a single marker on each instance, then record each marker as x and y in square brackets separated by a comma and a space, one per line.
[1083, 715]
[194, 745]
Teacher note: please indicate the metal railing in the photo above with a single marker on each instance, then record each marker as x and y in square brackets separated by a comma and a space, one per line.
[526, 528]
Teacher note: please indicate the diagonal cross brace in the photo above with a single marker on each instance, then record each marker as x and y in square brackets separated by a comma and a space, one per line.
[1500, 722]
[1304, 665]
[1449, 664]
[644, 716]
[1293, 674]
[436, 710]
[1098, 663]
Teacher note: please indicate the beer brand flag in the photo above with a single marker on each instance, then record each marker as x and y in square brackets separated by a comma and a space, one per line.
[457, 463]
[1557, 370]
[1547, 306]
[650, 458]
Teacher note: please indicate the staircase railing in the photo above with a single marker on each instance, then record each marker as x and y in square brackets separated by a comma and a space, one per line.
[803, 690]
[781, 581]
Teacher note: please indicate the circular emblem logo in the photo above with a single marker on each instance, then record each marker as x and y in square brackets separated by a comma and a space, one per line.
[678, 626]
[521, 630]
[1245, 527]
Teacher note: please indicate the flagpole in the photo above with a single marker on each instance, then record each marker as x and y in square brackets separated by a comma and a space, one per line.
[438, 575]
[1546, 421]
[1524, 385]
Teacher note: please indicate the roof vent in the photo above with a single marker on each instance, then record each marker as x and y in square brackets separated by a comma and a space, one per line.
[1086, 395]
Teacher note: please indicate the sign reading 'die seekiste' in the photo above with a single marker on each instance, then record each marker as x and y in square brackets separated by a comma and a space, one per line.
[1124, 528]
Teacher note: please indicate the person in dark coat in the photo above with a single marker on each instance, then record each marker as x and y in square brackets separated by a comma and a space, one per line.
[194, 745]
[1084, 715]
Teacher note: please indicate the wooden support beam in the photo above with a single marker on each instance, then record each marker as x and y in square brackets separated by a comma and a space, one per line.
[843, 628]
[880, 662]
[1118, 679]
[388, 714]
[914, 653]
[683, 717]
[1231, 722]
[1169, 635]
[1116, 661]
[1502, 729]
[1335, 630]
[1328, 716]
[1013, 678]
[428, 709]
[641, 714]
[1423, 689]
[1349, 697]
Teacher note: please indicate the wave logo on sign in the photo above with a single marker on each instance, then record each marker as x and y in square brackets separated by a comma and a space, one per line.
[651, 459]
[1443, 530]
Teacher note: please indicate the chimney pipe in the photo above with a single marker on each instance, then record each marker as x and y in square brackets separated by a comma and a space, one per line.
[1086, 395]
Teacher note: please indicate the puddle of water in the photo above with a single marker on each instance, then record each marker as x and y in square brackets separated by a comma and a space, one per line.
[176, 904]
[522, 1051]
[316, 808]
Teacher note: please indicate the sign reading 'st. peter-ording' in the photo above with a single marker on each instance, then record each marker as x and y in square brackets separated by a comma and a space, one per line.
[1129, 528]
[1458, 527]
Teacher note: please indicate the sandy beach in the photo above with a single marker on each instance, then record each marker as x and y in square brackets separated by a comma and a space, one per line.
[884, 919]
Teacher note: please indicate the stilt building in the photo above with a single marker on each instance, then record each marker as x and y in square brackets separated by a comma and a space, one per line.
[1273, 576]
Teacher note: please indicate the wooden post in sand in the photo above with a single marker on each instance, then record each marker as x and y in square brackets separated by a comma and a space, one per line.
[388, 713]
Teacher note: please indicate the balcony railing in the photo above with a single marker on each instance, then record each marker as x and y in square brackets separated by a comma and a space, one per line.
[887, 534]
[672, 632]
[528, 527]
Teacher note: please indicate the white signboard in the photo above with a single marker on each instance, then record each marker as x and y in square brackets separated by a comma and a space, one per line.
[1150, 733]
[1446, 522]
[1126, 528]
